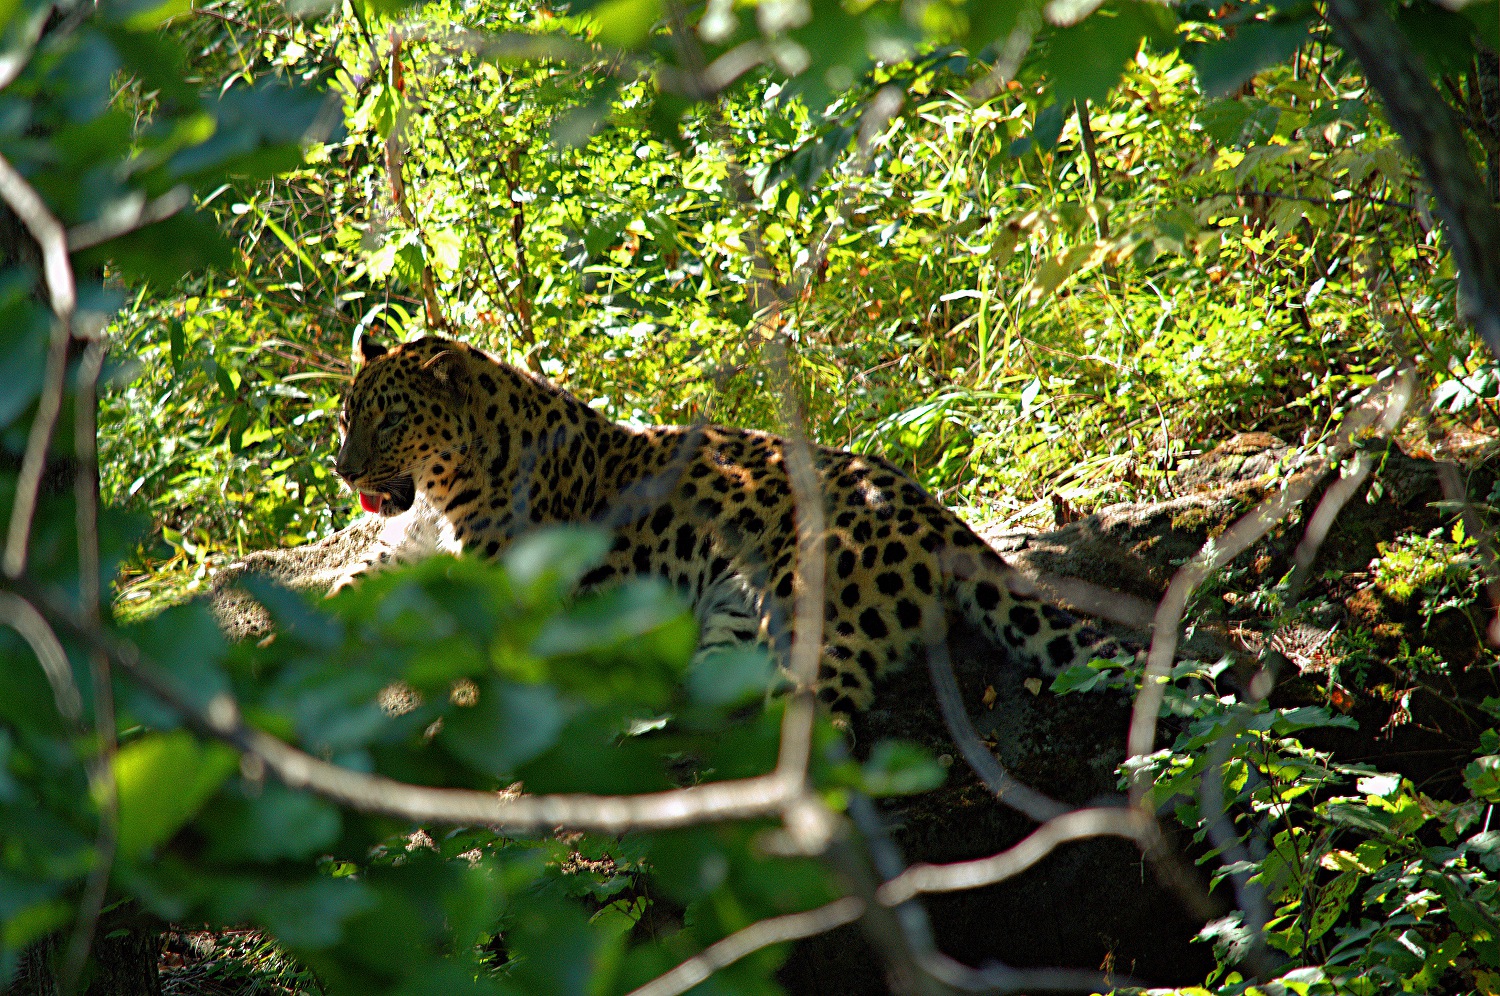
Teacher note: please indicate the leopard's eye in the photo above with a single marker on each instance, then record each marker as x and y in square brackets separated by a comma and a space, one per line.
[392, 419]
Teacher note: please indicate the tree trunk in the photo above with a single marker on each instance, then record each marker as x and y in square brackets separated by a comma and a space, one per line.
[126, 947]
[1486, 101]
[1432, 136]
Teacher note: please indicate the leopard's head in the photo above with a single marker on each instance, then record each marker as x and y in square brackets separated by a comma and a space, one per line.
[400, 418]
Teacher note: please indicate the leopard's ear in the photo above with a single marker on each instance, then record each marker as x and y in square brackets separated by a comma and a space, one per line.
[366, 349]
[451, 373]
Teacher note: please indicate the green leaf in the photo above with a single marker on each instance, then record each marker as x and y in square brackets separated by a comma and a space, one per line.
[1333, 902]
[275, 824]
[1085, 61]
[1078, 678]
[186, 642]
[508, 726]
[28, 912]
[1044, 132]
[311, 914]
[258, 132]
[550, 562]
[992, 21]
[731, 675]
[162, 780]
[626, 23]
[23, 350]
[177, 342]
[629, 643]
[448, 978]
[1440, 37]
[810, 160]
[162, 253]
[1482, 777]
[289, 242]
[897, 767]
[1224, 66]
[145, 15]
[1357, 815]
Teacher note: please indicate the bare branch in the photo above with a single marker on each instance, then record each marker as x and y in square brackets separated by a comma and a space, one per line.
[810, 583]
[763, 795]
[761, 934]
[1385, 414]
[1249, 895]
[1076, 825]
[1348, 485]
[1017, 43]
[1007, 788]
[58, 273]
[718, 75]
[1220, 550]
[101, 767]
[23, 617]
[125, 217]
[13, 62]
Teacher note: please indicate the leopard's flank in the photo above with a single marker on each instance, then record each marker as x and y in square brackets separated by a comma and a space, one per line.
[486, 451]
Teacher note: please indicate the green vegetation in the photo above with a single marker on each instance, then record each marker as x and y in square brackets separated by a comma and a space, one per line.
[1044, 288]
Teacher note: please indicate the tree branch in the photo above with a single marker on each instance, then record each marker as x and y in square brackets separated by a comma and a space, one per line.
[746, 798]
[58, 272]
[761, 934]
[1433, 139]
[1076, 825]
[101, 767]
[137, 213]
[1006, 787]
[1220, 550]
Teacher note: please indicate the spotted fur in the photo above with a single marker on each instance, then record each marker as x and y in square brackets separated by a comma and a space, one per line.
[487, 451]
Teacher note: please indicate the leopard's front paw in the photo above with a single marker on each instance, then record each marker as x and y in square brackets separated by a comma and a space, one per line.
[344, 580]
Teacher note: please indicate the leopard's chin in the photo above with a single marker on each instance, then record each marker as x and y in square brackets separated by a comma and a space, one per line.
[402, 491]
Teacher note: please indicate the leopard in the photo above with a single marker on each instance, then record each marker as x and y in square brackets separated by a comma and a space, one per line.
[475, 452]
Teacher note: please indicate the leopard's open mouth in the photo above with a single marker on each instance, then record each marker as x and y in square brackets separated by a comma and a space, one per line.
[394, 496]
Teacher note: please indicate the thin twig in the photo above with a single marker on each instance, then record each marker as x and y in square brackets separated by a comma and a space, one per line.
[810, 583]
[1095, 599]
[1385, 413]
[1249, 894]
[23, 617]
[1325, 201]
[102, 773]
[1100, 821]
[1006, 787]
[58, 272]
[761, 934]
[394, 167]
[762, 795]
[239, 22]
[1017, 43]
[14, 62]
[1220, 550]
[138, 213]
[1096, 174]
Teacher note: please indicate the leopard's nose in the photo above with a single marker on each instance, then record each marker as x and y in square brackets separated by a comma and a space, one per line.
[346, 465]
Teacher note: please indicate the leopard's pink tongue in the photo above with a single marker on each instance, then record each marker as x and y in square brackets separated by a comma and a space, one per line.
[371, 503]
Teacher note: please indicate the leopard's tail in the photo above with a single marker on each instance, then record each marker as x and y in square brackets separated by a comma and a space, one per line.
[1006, 606]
